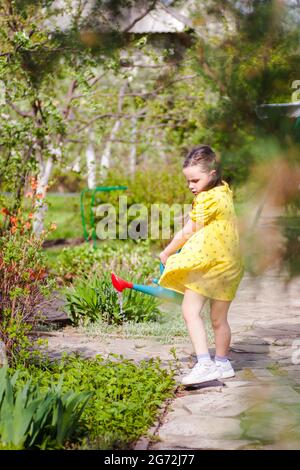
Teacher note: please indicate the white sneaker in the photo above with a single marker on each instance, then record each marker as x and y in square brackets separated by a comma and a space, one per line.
[201, 372]
[225, 369]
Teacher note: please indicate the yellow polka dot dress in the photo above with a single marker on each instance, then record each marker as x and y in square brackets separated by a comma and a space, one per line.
[210, 262]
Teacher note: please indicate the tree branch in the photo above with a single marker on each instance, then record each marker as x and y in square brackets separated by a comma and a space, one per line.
[148, 93]
[138, 18]
[209, 72]
[97, 79]
[18, 111]
[69, 97]
[107, 115]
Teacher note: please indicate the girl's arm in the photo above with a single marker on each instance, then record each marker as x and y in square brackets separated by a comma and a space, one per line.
[178, 240]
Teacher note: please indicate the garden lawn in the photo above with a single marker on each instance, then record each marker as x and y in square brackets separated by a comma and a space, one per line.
[64, 211]
[51, 256]
[168, 329]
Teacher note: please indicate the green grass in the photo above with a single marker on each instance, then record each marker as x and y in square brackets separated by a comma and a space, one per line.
[64, 210]
[169, 329]
[51, 255]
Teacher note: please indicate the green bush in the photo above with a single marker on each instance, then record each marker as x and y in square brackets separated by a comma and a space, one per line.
[82, 304]
[125, 397]
[66, 181]
[117, 256]
[160, 183]
[89, 300]
[31, 419]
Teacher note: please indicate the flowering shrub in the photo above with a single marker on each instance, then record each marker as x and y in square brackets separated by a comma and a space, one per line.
[23, 279]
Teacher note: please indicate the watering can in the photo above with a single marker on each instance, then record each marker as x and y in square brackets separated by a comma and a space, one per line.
[160, 292]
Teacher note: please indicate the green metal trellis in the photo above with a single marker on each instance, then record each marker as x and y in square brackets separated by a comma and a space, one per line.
[92, 216]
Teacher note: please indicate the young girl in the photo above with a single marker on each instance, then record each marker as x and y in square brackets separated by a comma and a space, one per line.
[209, 264]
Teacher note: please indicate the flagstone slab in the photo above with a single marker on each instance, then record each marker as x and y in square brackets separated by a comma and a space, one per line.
[237, 383]
[284, 394]
[220, 404]
[187, 443]
[199, 427]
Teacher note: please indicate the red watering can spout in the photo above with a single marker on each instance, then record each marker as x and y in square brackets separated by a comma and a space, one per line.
[119, 284]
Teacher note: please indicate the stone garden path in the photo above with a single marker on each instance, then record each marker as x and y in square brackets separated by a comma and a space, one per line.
[259, 408]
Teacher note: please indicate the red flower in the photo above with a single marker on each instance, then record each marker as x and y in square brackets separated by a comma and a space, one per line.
[33, 183]
[4, 211]
[13, 220]
[37, 275]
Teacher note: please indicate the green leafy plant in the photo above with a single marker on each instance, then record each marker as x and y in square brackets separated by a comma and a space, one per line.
[17, 344]
[82, 303]
[109, 256]
[30, 418]
[126, 396]
[89, 300]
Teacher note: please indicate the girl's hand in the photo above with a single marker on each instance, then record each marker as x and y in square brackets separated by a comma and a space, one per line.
[163, 257]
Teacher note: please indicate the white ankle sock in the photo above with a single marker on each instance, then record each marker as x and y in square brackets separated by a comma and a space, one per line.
[203, 358]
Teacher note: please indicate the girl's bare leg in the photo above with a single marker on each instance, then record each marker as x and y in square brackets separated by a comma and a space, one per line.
[191, 307]
[218, 313]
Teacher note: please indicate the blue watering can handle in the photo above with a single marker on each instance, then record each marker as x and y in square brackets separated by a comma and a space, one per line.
[162, 267]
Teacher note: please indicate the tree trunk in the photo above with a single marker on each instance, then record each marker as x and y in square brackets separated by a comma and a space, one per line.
[106, 156]
[76, 165]
[132, 152]
[91, 164]
[40, 205]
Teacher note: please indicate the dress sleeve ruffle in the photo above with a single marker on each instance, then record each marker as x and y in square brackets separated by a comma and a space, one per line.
[204, 208]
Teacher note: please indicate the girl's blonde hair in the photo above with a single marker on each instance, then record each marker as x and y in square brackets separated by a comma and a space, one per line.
[204, 156]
